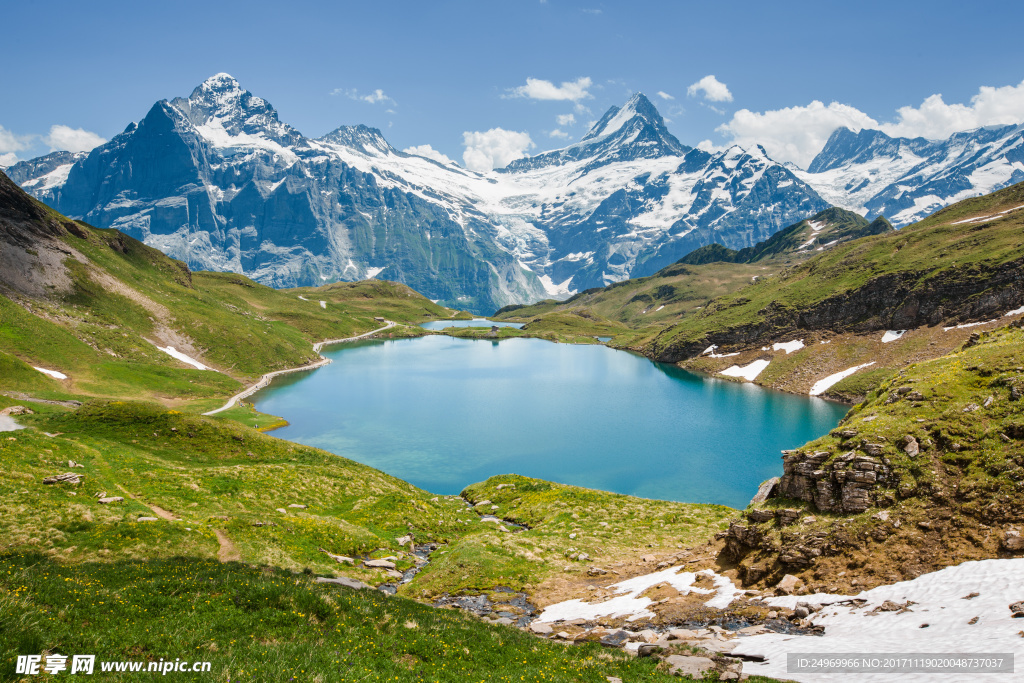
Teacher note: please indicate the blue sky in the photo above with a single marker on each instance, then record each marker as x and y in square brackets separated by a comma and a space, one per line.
[445, 69]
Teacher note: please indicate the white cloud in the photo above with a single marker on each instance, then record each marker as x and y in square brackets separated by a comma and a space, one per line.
[495, 148]
[8, 159]
[566, 119]
[664, 95]
[794, 134]
[798, 133]
[375, 97]
[72, 139]
[11, 143]
[936, 120]
[428, 152]
[712, 88]
[709, 147]
[538, 89]
[561, 134]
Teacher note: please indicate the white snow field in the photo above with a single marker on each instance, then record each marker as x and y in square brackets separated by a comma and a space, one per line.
[822, 385]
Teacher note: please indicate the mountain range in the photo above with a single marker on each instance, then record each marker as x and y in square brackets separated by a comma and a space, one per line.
[218, 181]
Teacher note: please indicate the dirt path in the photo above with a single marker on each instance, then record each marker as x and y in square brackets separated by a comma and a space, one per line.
[157, 510]
[265, 380]
[228, 552]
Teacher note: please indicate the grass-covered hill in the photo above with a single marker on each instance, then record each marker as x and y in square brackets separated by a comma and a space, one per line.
[95, 305]
[962, 264]
[926, 473]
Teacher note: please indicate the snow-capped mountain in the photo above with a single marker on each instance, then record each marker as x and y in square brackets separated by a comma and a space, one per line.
[217, 180]
[906, 179]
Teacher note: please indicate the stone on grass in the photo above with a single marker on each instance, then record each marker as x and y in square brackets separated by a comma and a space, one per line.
[112, 499]
[298, 505]
[340, 559]
[66, 478]
[147, 519]
[380, 564]
[541, 628]
[689, 666]
[344, 581]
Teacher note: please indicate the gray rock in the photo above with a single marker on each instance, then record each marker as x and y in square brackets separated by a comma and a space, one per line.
[298, 505]
[647, 649]
[66, 478]
[112, 499]
[380, 564]
[765, 491]
[147, 519]
[616, 639]
[910, 446]
[689, 666]
[541, 628]
[344, 581]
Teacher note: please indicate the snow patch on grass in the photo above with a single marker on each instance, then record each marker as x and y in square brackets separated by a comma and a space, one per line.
[174, 353]
[823, 384]
[51, 373]
[789, 347]
[747, 372]
[892, 335]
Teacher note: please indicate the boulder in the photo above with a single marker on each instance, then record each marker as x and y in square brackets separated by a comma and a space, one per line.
[910, 446]
[112, 499]
[788, 584]
[646, 650]
[66, 478]
[615, 639]
[380, 564]
[694, 667]
[340, 559]
[147, 519]
[298, 505]
[344, 581]
[541, 628]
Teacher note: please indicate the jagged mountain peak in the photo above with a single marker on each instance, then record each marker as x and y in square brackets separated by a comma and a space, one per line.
[633, 131]
[220, 102]
[360, 138]
[637, 111]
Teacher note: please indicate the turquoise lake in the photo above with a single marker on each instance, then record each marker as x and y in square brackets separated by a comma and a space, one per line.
[443, 413]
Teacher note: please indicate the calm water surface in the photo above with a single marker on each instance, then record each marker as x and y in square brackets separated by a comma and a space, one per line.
[475, 322]
[443, 413]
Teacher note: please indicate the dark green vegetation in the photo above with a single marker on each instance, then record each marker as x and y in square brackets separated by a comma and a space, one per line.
[943, 442]
[266, 624]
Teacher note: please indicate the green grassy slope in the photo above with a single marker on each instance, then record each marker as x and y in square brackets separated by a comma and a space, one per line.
[94, 304]
[941, 269]
[953, 497]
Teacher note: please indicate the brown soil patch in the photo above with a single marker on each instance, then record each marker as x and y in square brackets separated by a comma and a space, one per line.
[228, 552]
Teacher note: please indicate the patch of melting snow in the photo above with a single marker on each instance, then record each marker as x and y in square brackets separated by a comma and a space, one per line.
[823, 384]
[938, 600]
[323, 304]
[978, 219]
[629, 604]
[747, 372]
[174, 353]
[710, 351]
[1016, 311]
[966, 325]
[789, 347]
[51, 373]
[892, 335]
[8, 424]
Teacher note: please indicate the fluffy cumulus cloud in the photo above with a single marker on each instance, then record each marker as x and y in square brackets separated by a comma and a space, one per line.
[560, 134]
[428, 152]
[798, 133]
[375, 97]
[494, 148]
[712, 89]
[935, 119]
[566, 119]
[537, 89]
[794, 134]
[72, 139]
[665, 96]
[10, 145]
